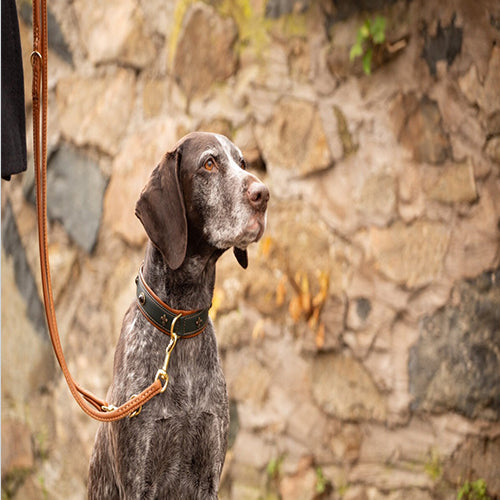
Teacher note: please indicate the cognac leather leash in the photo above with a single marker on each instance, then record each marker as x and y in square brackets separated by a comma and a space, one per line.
[90, 404]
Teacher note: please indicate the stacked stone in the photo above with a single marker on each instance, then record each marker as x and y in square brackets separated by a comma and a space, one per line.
[361, 347]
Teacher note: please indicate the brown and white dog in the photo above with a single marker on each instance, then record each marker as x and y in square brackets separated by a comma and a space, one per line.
[199, 202]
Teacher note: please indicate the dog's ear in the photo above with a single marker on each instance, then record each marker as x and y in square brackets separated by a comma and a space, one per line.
[162, 212]
[241, 257]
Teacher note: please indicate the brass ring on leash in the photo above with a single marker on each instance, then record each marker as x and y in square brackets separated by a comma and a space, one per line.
[34, 54]
[135, 412]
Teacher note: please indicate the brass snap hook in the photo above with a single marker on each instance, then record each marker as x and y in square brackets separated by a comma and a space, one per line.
[162, 372]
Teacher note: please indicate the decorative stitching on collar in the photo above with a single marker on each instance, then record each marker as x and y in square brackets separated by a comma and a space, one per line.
[160, 315]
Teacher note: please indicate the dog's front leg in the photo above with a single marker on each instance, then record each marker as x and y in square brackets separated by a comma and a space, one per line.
[101, 481]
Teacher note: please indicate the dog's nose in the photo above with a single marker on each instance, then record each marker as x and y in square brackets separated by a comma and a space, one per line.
[258, 194]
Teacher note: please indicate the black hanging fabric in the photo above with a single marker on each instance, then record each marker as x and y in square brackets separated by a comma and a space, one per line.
[13, 112]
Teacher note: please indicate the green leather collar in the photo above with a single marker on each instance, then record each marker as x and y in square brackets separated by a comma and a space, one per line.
[189, 324]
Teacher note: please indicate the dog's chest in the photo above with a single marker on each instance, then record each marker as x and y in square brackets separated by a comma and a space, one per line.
[195, 379]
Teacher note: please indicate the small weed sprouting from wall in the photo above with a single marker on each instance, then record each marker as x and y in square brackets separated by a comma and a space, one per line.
[473, 490]
[370, 36]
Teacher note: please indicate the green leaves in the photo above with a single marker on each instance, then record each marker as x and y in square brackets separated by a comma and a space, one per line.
[475, 490]
[356, 51]
[367, 61]
[369, 35]
[377, 30]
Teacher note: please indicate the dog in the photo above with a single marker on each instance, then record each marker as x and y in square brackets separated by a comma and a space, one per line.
[199, 202]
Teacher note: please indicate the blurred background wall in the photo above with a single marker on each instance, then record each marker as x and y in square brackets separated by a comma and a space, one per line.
[362, 345]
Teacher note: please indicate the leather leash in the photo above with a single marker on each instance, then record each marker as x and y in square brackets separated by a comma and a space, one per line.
[90, 404]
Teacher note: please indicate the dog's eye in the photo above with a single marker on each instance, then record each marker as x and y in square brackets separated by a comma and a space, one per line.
[209, 164]
[243, 164]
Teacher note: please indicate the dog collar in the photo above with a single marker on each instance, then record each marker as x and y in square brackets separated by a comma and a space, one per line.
[189, 323]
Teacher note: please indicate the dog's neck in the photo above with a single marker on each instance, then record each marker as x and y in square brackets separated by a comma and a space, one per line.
[190, 287]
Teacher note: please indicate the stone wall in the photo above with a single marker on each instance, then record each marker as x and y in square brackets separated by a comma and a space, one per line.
[362, 345]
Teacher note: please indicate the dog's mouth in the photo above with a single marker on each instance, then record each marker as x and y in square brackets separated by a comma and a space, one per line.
[256, 226]
[250, 233]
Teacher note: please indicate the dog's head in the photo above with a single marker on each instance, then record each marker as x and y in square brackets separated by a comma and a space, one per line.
[202, 191]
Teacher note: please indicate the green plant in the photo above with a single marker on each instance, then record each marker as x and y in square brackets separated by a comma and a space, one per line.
[273, 468]
[43, 488]
[321, 481]
[473, 490]
[273, 471]
[433, 466]
[370, 35]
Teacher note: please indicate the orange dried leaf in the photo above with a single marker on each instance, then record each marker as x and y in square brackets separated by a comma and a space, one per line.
[266, 246]
[314, 319]
[320, 336]
[324, 284]
[305, 295]
[281, 292]
[217, 301]
[307, 304]
[258, 330]
[295, 309]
